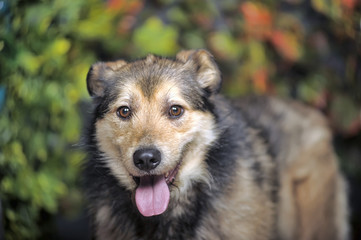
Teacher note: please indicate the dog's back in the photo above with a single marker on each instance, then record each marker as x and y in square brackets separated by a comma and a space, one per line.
[312, 202]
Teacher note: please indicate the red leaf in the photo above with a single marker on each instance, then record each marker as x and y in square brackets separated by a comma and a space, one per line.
[260, 79]
[286, 44]
[258, 19]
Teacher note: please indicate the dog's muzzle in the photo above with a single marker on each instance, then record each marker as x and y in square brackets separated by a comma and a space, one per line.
[152, 193]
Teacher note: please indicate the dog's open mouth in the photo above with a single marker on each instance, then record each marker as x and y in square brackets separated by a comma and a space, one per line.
[152, 194]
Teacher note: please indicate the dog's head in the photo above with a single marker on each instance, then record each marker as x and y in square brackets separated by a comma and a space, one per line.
[154, 123]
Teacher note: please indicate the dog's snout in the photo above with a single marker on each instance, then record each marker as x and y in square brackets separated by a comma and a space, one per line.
[147, 159]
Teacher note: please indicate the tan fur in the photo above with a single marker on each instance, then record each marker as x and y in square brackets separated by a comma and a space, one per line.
[311, 186]
[245, 208]
[207, 68]
[244, 212]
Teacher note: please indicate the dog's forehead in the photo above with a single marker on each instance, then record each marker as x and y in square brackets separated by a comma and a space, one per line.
[134, 92]
[162, 75]
[156, 79]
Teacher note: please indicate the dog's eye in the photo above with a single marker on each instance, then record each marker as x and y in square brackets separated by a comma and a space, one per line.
[175, 111]
[124, 112]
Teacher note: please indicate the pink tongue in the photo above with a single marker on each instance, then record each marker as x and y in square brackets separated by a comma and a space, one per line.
[152, 195]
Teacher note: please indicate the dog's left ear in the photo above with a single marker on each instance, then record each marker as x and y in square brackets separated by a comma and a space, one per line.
[99, 76]
[208, 74]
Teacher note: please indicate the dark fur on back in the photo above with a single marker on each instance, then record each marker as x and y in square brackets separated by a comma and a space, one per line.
[253, 181]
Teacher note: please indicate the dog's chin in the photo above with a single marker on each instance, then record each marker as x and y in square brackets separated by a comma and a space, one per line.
[152, 192]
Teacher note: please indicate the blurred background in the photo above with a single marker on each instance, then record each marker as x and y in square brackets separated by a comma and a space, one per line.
[304, 49]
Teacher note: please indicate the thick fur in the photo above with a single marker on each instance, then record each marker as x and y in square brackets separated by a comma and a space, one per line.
[255, 168]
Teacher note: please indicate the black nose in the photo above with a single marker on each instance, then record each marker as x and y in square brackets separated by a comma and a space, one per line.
[146, 159]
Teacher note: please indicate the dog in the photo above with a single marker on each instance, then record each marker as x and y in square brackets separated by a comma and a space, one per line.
[170, 158]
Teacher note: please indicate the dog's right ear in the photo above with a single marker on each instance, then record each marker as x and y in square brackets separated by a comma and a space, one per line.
[99, 76]
[208, 74]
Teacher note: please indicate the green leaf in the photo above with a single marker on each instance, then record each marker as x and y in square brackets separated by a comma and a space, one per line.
[331, 8]
[155, 37]
[29, 62]
[344, 111]
[225, 45]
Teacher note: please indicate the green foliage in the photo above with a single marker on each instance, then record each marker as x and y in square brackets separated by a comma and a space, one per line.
[47, 47]
[43, 71]
[156, 36]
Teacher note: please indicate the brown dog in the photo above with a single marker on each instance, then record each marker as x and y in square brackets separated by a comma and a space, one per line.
[170, 158]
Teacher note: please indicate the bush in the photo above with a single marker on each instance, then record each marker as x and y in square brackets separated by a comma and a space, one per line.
[44, 61]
